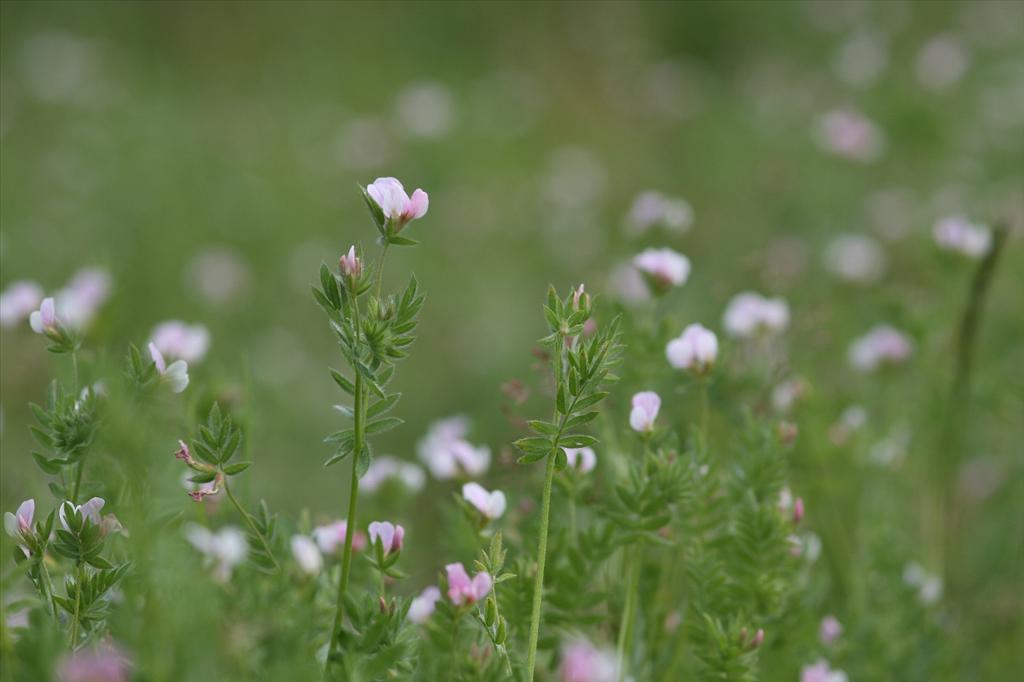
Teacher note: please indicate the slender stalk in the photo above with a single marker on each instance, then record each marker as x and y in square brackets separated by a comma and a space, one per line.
[252, 526]
[628, 614]
[47, 583]
[542, 550]
[380, 268]
[78, 480]
[74, 369]
[359, 437]
[704, 408]
[572, 513]
[73, 637]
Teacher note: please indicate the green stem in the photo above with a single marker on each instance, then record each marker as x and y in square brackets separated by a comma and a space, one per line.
[47, 582]
[628, 614]
[74, 369]
[251, 524]
[73, 638]
[380, 268]
[542, 550]
[78, 481]
[704, 409]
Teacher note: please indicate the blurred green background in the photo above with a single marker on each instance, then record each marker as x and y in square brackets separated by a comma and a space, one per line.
[207, 154]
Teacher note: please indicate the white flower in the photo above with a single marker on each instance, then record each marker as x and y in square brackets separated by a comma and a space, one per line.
[79, 301]
[581, 459]
[664, 268]
[224, 549]
[426, 109]
[695, 349]
[942, 62]
[928, 585]
[646, 405]
[490, 504]
[306, 554]
[447, 453]
[653, 208]
[749, 314]
[855, 258]
[881, 345]
[44, 320]
[422, 606]
[850, 134]
[89, 510]
[18, 301]
[385, 467]
[958, 234]
[176, 339]
[176, 373]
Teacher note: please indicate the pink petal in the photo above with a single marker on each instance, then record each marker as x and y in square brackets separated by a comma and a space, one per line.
[418, 204]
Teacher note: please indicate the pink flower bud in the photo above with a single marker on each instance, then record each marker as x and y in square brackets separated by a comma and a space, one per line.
[44, 320]
[829, 630]
[423, 606]
[758, 639]
[798, 510]
[350, 264]
[646, 405]
[580, 299]
[183, 453]
[389, 535]
[695, 349]
[490, 504]
[663, 268]
[462, 590]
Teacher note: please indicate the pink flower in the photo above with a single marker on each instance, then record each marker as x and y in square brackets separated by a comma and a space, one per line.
[652, 208]
[331, 538]
[829, 630]
[350, 265]
[798, 510]
[749, 314]
[389, 535]
[224, 549]
[19, 524]
[89, 510]
[447, 453]
[581, 459]
[422, 606]
[176, 339]
[695, 349]
[18, 301]
[44, 320]
[397, 206]
[882, 345]
[80, 299]
[306, 554]
[645, 410]
[490, 504]
[176, 373]
[583, 662]
[462, 590]
[850, 134]
[105, 663]
[820, 672]
[960, 235]
[663, 268]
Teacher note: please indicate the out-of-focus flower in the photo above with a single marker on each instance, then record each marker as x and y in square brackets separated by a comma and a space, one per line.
[855, 258]
[350, 265]
[861, 58]
[218, 274]
[583, 662]
[426, 109]
[928, 585]
[798, 510]
[821, 672]
[176, 339]
[447, 453]
[645, 410]
[787, 393]
[176, 373]
[851, 135]
[105, 663]
[89, 510]
[852, 419]
[202, 492]
[941, 62]
[224, 549]
[956, 233]
[575, 179]
[662, 268]
[627, 284]
[79, 300]
[422, 607]
[490, 504]
[695, 349]
[882, 345]
[462, 590]
[44, 320]
[829, 630]
[18, 301]
[390, 536]
[581, 459]
[653, 208]
[307, 554]
[397, 206]
[331, 538]
[385, 467]
[19, 524]
[749, 314]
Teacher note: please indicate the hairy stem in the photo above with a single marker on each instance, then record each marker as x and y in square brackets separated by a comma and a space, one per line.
[542, 550]
[73, 637]
[252, 525]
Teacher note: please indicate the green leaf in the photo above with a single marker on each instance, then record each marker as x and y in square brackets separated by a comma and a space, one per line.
[99, 562]
[330, 286]
[401, 241]
[542, 427]
[591, 399]
[532, 457]
[363, 463]
[375, 211]
[202, 478]
[534, 444]
[50, 466]
[576, 441]
[236, 468]
[382, 406]
[581, 419]
[383, 424]
[345, 384]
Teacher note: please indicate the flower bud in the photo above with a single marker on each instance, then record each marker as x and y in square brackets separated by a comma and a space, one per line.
[798, 510]
[580, 299]
[350, 265]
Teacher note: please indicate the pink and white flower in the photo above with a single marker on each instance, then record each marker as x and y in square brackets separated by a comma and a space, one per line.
[422, 607]
[397, 206]
[695, 349]
[850, 134]
[855, 258]
[350, 265]
[19, 524]
[306, 554]
[388, 534]
[583, 662]
[223, 550]
[490, 504]
[331, 537]
[18, 301]
[176, 339]
[960, 235]
[462, 590]
[44, 320]
[176, 373]
[829, 630]
[750, 314]
[80, 299]
[646, 405]
[821, 672]
[883, 345]
[385, 468]
[89, 511]
[581, 459]
[104, 663]
[654, 208]
[447, 453]
[662, 268]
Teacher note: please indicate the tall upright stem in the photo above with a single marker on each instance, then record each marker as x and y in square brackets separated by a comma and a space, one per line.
[628, 613]
[542, 551]
[73, 637]
[252, 526]
[78, 480]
